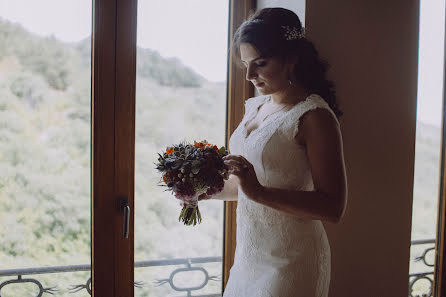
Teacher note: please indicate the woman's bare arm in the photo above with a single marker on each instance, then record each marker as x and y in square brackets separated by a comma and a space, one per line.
[323, 141]
[320, 133]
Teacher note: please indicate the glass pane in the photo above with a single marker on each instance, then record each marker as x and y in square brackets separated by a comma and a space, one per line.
[180, 95]
[428, 147]
[44, 147]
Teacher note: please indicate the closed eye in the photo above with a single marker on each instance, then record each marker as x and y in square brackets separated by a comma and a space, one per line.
[259, 64]
[257, 61]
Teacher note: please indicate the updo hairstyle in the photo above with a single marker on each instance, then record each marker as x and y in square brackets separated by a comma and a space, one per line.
[266, 31]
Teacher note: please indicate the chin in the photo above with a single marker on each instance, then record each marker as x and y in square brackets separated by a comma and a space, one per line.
[263, 91]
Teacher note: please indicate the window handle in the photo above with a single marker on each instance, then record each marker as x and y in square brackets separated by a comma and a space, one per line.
[125, 211]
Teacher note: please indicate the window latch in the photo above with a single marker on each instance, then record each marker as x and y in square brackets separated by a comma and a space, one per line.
[125, 211]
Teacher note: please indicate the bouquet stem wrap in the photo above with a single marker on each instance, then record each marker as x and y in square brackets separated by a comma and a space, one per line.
[190, 214]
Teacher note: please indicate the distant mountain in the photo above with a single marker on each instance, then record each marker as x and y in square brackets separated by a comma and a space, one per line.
[429, 131]
[57, 60]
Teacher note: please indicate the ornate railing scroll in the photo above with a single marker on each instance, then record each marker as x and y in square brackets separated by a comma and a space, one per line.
[425, 278]
[41, 290]
[426, 257]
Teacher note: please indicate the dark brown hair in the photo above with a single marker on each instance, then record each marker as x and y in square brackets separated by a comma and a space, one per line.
[265, 31]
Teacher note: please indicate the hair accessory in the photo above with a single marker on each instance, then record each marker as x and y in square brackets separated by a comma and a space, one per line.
[292, 33]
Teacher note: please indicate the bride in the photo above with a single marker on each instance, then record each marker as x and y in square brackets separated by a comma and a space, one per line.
[286, 164]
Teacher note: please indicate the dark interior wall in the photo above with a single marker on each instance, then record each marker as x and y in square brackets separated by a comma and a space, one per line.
[373, 49]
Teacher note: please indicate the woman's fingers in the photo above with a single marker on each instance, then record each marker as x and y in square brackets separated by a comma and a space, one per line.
[237, 172]
[232, 157]
[233, 163]
[242, 160]
[237, 164]
[236, 168]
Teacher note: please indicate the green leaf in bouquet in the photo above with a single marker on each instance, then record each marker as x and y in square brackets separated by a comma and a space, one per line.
[222, 150]
[176, 165]
[169, 163]
[170, 158]
[196, 166]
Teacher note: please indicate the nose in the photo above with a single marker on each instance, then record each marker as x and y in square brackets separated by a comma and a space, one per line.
[250, 73]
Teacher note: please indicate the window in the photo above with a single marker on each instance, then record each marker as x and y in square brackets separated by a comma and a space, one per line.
[66, 131]
[428, 147]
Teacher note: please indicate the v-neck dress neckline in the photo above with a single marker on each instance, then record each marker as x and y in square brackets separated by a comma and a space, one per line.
[268, 118]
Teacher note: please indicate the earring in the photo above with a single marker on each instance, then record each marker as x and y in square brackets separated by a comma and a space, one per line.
[290, 82]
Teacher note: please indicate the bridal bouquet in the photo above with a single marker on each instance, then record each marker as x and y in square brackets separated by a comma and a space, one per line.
[191, 170]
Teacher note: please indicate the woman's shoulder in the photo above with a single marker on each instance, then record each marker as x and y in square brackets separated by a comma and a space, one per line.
[314, 101]
[313, 107]
[317, 104]
[321, 120]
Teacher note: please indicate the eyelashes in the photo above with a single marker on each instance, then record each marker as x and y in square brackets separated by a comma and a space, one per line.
[259, 64]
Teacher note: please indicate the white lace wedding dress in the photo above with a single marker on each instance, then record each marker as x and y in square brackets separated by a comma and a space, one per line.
[277, 255]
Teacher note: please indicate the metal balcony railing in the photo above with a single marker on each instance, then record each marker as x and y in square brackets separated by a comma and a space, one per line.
[425, 276]
[20, 274]
[23, 275]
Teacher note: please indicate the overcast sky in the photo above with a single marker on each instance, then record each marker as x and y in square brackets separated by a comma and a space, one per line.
[198, 37]
[174, 28]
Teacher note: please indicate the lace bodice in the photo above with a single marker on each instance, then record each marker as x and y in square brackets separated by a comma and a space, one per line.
[271, 146]
[270, 242]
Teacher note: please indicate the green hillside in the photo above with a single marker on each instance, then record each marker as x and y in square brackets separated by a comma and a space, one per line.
[45, 158]
[426, 181]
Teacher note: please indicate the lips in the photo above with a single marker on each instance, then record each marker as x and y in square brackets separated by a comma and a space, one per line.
[259, 84]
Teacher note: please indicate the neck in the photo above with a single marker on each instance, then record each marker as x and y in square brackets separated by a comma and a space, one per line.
[292, 95]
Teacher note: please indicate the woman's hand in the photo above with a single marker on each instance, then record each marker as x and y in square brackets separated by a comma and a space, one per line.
[244, 170]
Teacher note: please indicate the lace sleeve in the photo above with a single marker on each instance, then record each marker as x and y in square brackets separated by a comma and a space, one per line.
[251, 104]
[291, 124]
[315, 101]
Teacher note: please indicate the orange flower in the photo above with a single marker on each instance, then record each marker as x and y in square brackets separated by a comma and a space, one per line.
[199, 144]
[167, 176]
[169, 151]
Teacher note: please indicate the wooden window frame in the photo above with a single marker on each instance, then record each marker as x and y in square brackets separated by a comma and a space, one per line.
[113, 145]
[440, 242]
[113, 140]
[238, 90]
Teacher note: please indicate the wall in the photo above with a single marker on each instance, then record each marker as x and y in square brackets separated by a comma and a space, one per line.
[298, 6]
[372, 47]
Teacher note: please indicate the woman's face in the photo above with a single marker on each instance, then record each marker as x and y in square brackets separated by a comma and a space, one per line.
[268, 75]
